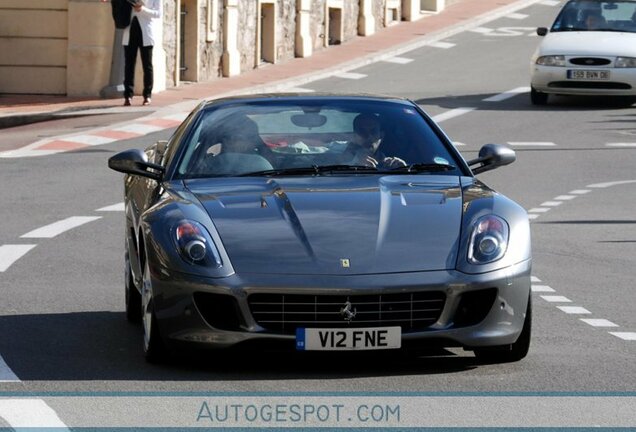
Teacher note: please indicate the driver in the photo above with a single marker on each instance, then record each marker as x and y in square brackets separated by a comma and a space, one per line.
[364, 148]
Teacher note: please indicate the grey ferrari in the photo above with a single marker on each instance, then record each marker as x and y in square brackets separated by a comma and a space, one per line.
[322, 222]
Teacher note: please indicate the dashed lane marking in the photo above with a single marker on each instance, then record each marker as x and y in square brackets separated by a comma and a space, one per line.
[551, 203]
[452, 114]
[30, 413]
[565, 197]
[10, 254]
[539, 210]
[534, 279]
[397, 60]
[598, 322]
[349, 75]
[550, 3]
[541, 288]
[57, 228]
[580, 192]
[517, 16]
[633, 145]
[6, 374]
[531, 144]
[507, 95]
[119, 207]
[574, 310]
[628, 336]
[556, 299]
[442, 45]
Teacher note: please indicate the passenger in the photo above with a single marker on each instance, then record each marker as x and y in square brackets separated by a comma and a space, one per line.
[595, 21]
[365, 146]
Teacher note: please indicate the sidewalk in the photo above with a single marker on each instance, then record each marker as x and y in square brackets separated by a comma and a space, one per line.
[24, 109]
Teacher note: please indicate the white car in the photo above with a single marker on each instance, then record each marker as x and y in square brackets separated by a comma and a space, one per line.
[590, 50]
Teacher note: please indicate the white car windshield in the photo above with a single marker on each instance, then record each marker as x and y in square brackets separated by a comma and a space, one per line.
[591, 15]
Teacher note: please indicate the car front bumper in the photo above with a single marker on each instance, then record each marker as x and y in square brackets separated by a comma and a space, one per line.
[551, 79]
[182, 319]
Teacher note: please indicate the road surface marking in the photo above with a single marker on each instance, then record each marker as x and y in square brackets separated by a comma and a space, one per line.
[580, 191]
[89, 140]
[534, 279]
[551, 203]
[517, 16]
[397, 60]
[628, 336]
[458, 144]
[621, 145]
[598, 322]
[113, 208]
[11, 253]
[610, 184]
[442, 45]
[57, 228]
[349, 75]
[538, 210]
[564, 197]
[550, 3]
[556, 299]
[531, 144]
[141, 129]
[481, 30]
[452, 114]
[576, 310]
[6, 374]
[177, 117]
[541, 288]
[30, 413]
[533, 216]
[507, 95]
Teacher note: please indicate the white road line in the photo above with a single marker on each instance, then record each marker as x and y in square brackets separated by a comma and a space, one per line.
[556, 299]
[565, 197]
[575, 310]
[177, 117]
[442, 45]
[298, 90]
[628, 336]
[533, 216]
[6, 374]
[517, 16]
[531, 144]
[57, 228]
[397, 60]
[10, 254]
[481, 30]
[610, 184]
[30, 413]
[620, 145]
[580, 191]
[349, 75]
[452, 114]
[550, 3]
[119, 207]
[90, 140]
[507, 95]
[538, 210]
[534, 279]
[458, 144]
[541, 288]
[598, 322]
[141, 129]
[551, 203]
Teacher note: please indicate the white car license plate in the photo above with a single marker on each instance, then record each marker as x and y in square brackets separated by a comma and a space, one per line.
[588, 74]
[343, 339]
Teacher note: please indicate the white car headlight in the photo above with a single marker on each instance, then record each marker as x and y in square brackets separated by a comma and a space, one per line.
[551, 60]
[625, 62]
[195, 244]
[488, 240]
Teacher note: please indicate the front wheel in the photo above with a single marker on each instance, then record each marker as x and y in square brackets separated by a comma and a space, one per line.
[537, 97]
[513, 352]
[154, 348]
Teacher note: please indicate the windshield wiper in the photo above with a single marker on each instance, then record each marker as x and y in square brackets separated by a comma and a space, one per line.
[314, 169]
[421, 167]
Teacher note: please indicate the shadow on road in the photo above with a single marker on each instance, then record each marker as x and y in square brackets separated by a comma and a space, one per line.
[95, 346]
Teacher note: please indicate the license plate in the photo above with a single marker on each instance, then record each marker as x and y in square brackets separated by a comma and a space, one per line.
[347, 339]
[588, 74]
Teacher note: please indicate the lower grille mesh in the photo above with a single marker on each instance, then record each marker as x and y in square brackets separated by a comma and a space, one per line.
[285, 312]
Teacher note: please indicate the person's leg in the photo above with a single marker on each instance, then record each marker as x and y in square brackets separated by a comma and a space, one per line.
[130, 57]
[146, 61]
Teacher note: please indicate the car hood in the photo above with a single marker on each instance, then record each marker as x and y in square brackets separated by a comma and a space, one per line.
[336, 225]
[589, 43]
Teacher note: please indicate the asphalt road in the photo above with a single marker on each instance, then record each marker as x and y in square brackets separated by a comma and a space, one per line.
[62, 310]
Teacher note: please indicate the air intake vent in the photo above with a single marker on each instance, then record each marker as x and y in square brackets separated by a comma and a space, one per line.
[590, 61]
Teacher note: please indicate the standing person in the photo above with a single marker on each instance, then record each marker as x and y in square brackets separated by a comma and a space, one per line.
[141, 36]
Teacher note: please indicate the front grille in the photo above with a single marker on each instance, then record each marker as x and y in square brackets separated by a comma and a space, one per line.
[285, 312]
[590, 61]
[604, 85]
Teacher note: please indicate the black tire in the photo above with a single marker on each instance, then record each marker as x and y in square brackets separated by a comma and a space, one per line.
[513, 352]
[538, 98]
[131, 295]
[155, 350]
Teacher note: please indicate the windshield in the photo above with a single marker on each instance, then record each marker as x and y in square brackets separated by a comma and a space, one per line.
[313, 137]
[590, 15]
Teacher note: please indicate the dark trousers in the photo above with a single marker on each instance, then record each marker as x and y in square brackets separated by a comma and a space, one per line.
[130, 55]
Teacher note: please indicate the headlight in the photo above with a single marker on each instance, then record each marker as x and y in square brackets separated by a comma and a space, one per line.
[551, 60]
[488, 240]
[195, 244]
[625, 62]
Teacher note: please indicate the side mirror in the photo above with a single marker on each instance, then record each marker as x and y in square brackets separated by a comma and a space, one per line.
[492, 156]
[135, 162]
[542, 31]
